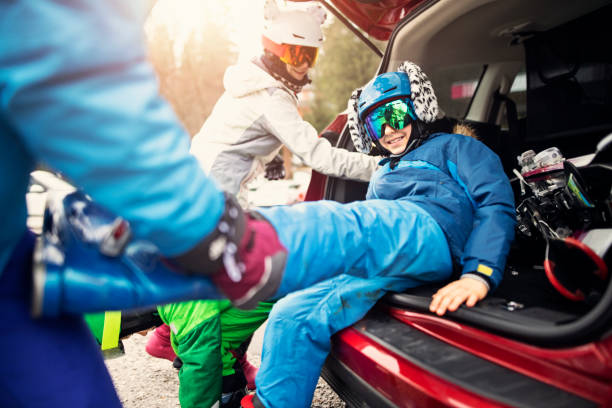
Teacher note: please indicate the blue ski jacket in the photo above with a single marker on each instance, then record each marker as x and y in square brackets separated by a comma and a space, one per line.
[78, 94]
[461, 183]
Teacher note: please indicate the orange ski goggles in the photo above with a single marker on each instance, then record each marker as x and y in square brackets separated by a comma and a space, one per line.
[292, 54]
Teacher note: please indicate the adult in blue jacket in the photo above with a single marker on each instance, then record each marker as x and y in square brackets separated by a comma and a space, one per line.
[440, 200]
[77, 94]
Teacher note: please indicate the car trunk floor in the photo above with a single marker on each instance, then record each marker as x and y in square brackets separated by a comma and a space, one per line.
[524, 299]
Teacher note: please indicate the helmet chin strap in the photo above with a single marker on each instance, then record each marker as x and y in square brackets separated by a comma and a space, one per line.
[412, 144]
[395, 158]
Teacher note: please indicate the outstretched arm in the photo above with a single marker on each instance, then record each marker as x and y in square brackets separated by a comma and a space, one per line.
[488, 244]
[284, 122]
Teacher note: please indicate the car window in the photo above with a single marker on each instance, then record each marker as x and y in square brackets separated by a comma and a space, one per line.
[518, 94]
[455, 87]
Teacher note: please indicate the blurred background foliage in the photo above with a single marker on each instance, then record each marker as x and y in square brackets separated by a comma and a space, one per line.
[190, 58]
[190, 50]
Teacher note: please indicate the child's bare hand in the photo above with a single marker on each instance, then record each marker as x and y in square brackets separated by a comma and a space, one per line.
[453, 295]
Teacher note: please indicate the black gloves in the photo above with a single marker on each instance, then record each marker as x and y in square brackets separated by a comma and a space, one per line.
[275, 170]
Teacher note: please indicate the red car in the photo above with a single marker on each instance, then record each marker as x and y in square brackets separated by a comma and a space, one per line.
[527, 76]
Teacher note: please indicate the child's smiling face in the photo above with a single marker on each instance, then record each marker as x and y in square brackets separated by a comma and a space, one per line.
[394, 140]
[298, 72]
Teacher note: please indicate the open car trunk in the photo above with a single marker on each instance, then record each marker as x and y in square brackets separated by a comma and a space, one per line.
[568, 106]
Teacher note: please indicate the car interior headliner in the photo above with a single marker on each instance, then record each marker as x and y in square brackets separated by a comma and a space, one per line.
[452, 33]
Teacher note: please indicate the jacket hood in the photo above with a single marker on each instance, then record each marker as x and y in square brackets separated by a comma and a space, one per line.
[247, 77]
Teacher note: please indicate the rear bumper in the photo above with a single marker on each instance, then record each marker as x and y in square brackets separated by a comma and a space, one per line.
[383, 362]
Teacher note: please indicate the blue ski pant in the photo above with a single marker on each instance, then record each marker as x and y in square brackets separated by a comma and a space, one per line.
[342, 259]
[49, 362]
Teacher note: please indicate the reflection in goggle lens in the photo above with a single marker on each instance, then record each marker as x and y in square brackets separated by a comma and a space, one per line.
[397, 113]
[296, 55]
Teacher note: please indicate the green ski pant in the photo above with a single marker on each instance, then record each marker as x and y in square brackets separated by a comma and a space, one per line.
[202, 333]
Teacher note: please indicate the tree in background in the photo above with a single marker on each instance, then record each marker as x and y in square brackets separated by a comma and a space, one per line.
[191, 51]
[190, 58]
[344, 64]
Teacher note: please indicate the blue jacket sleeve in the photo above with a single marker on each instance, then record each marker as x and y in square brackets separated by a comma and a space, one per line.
[494, 216]
[76, 87]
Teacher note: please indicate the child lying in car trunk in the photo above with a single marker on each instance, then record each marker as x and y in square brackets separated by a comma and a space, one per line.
[440, 202]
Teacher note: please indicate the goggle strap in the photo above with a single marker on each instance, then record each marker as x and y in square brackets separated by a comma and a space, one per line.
[274, 48]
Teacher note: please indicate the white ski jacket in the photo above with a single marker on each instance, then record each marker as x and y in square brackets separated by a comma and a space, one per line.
[255, 116]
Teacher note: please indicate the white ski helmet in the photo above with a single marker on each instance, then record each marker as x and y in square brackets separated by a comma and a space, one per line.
[297, 27]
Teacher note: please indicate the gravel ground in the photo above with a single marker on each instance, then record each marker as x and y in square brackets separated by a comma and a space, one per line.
[143, 381]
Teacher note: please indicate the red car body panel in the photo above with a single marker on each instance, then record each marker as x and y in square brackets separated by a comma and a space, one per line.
[379, 18]
[316, 187]
[403, 383]
[583, 370]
